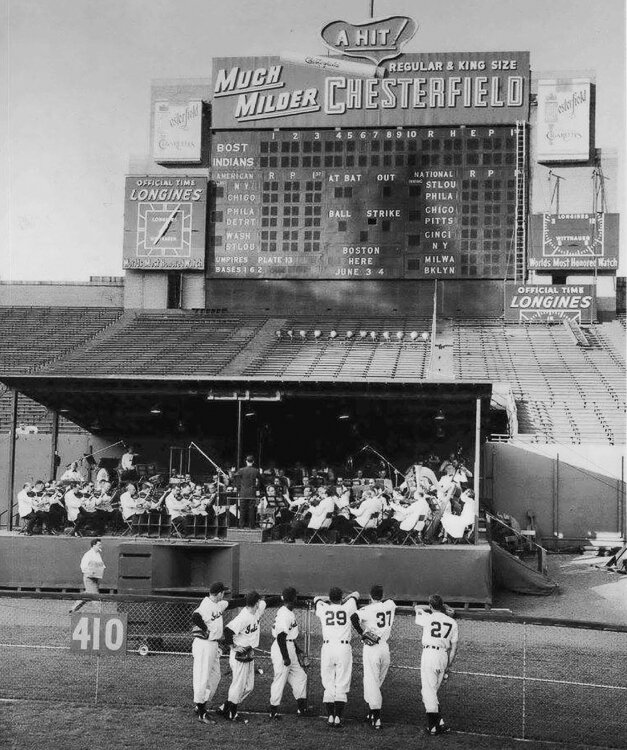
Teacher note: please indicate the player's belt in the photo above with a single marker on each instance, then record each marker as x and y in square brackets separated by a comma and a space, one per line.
[336, 641]
[436, 647]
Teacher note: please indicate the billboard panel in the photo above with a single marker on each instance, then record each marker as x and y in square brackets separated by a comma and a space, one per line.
[549, 304]
[164, 222]
[574, 242]
[563, 126]
[439, 88]
[176, 132]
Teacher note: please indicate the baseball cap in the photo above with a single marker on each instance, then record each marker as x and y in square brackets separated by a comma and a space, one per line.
[217, 587]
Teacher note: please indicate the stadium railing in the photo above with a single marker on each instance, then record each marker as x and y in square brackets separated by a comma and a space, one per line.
[521, 677]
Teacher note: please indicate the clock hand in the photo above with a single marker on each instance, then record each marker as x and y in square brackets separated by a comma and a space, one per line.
[166, 224]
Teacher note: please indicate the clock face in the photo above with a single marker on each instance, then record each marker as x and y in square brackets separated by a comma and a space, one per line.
[580, 235]
[164, 230]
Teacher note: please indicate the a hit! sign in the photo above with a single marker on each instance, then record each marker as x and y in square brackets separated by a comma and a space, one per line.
[92, 632]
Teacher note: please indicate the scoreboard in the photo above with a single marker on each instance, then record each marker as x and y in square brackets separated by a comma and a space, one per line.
[364, 204]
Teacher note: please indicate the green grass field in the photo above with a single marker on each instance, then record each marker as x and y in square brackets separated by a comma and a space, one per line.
[484, 696]
[43, 726]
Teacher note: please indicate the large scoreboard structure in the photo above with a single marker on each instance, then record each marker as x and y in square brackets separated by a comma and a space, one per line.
[406, 168]
[365, 164]
[372, 203]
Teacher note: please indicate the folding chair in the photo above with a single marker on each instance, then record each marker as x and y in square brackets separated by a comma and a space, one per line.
[372, 524]
[413, 535]
[175, 530]
[130, 527]
[321, 534]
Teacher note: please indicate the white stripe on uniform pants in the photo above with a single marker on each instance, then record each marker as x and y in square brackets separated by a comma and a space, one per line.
[294, 674]
[336, 667]
[206, 672]
[376, 665]
[243, 679]
[432, 668]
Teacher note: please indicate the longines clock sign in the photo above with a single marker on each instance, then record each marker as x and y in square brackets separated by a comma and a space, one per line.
[164, 222]
[574, 242]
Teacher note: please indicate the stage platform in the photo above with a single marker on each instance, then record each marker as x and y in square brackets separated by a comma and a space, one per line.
[462, 574]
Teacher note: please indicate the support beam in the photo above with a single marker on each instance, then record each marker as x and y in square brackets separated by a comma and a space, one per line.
[8, 511]
[477, 465]
[238, 462]
[556, 500]
[54, 444]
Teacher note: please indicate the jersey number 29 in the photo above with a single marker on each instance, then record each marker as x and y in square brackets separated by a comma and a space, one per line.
[336, 618]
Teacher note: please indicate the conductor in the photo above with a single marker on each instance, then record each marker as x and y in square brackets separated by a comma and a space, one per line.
[247, 482]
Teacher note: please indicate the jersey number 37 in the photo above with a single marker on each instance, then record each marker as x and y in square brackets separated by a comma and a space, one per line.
[383, 619]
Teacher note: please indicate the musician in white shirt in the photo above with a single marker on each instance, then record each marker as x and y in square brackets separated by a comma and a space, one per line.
[129, 503]
[370, 505]
[178, 506]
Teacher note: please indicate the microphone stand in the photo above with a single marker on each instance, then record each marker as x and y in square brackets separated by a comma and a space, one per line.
[212, 462]
[389, 464]
[94, 453]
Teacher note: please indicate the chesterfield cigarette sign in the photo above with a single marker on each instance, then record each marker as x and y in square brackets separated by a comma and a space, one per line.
[549, 304]
[414, 89]
[563, 128]
[177, 132]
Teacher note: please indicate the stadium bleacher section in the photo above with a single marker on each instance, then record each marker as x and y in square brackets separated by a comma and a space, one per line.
[34, 336]
[565, 392]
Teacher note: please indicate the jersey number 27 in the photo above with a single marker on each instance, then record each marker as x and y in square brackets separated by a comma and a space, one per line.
[436, 629]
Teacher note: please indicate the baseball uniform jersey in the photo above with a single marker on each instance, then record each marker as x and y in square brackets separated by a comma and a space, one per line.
[439, 633]
[246, 629]
[376, 617]
[336, 658]
[206, 653]
[294, 674]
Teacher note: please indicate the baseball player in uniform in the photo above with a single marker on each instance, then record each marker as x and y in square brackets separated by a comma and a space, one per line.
[336, 656]
[242, 635]
[439, 646]
[207, 631]
[286, 657]
[374, 623]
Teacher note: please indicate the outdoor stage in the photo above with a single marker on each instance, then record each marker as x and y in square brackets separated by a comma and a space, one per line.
[460, 573]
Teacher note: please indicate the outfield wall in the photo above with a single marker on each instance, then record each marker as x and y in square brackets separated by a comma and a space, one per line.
[460, 573]
[568, 497]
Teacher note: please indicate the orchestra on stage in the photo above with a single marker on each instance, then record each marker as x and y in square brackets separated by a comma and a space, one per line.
[432, 501]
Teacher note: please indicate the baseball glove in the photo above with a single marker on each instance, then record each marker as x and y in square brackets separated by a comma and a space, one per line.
[303, 660]
[244, 653]
[369, 638]
[198, 632]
